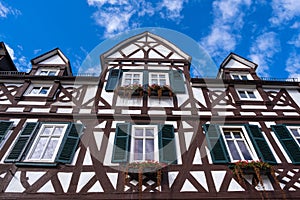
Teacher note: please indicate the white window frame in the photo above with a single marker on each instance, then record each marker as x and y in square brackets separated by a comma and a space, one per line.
[132, 74]
[159, 73]
[240, 76]
[39, 135]
[133, 137]
[48, 70]
[254, 91]
[246, 139]
[30, 88]
[294, 127]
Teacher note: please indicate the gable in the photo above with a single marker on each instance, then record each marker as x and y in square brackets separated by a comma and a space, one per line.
[56, 59]
[233, 64]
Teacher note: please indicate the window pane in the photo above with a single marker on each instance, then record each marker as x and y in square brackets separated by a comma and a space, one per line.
[227, 134]
[44, 90]
[138, 149]
[50, 148]
[150, 132]
[237, 134]
[37, 152]
[58, 131]
[150, 149]
[233, 150]
[295, 132]
[162, 76]
[128, 76]
[35, 90]
[139, 132]
[153, 75]
[244, 77]
[43, 73]
[163, 82]
[154, 81]
[137, 76]
[127, 82]
[47, 131]
[136, 81]
[236, 77]
[52, 73]
[251, 95]
[242, 94]
[244, 150]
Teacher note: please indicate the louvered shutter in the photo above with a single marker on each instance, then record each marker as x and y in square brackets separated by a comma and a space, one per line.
[167, 146]
[26, 135]
[122, 143]
[4, 128]
[260, 144]
[177, 82]
[69, 143]
[288, 142]
[113, 79]
[216, 144]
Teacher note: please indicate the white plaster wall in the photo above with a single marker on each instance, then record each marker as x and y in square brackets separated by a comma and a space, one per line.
[234, 64]
[53, 60]
[295, 95]
[138, 102]
[198, 94]
[162, 102]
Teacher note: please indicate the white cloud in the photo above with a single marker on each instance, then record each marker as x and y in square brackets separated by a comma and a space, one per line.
[21, 62]
[6, 10]
[284, 11]
[11, 52]
[295, 41]
[120, 15]
[225, 30]
[262, 51]
[293, 65]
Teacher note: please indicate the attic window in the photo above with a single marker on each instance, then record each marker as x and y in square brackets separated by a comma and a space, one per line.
[48, 72]
[38, 90]
[239, 76]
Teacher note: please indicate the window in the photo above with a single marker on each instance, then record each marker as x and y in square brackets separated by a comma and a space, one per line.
[132, 78]
[290, 140]
[38, 90]
[238, 147]
[237, 142]
[144, 143]
[47, 71]
[45, 143]
[246, 94]
[239, 77]
[134, 143]
[159, 79]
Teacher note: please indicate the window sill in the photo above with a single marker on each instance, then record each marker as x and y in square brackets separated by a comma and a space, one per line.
[36, 164]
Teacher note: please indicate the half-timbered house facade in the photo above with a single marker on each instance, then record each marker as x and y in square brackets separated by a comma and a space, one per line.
[145, 129]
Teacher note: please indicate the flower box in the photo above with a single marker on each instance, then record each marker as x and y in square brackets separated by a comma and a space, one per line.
[130, 91]
[159, 91]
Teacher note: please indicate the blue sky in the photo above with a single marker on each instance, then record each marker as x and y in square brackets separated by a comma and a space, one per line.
[266, 32]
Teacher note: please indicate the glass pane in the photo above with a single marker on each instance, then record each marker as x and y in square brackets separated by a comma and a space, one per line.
[136, 76]
[58, 130]
[150, 149]
[153, 75]
[50, 148]
[47, 131]
[162, 76]
[242, 94]
[128, 76]
[43, 73]
[127, 82]
[227, 134]
[44, 90]
[138, 149]
[244, 150]
[150, 132]
[295, 132]
[244, 77]
[35, 90]
[236, 77]
[237, 134]
[139, 132]
[154, 81]
[38, 149]
[298, 141]
[233, 150]
[136, 81]
[251, 95]
[52, 73]
[163, 82]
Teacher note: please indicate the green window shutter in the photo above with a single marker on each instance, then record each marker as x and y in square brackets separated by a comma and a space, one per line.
[166, 143]
[113, 79]
[4, 128]
[69, 143]
[288, 142]
[26, 135]
[177, 82]
[260, 144]
[122, 143]
[216, 144]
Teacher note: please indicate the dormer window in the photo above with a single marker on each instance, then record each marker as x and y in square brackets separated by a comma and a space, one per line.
[132, 78]
[38, 90]
[246, 94]
[159, 79]
[47, 71]
[239, 76]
